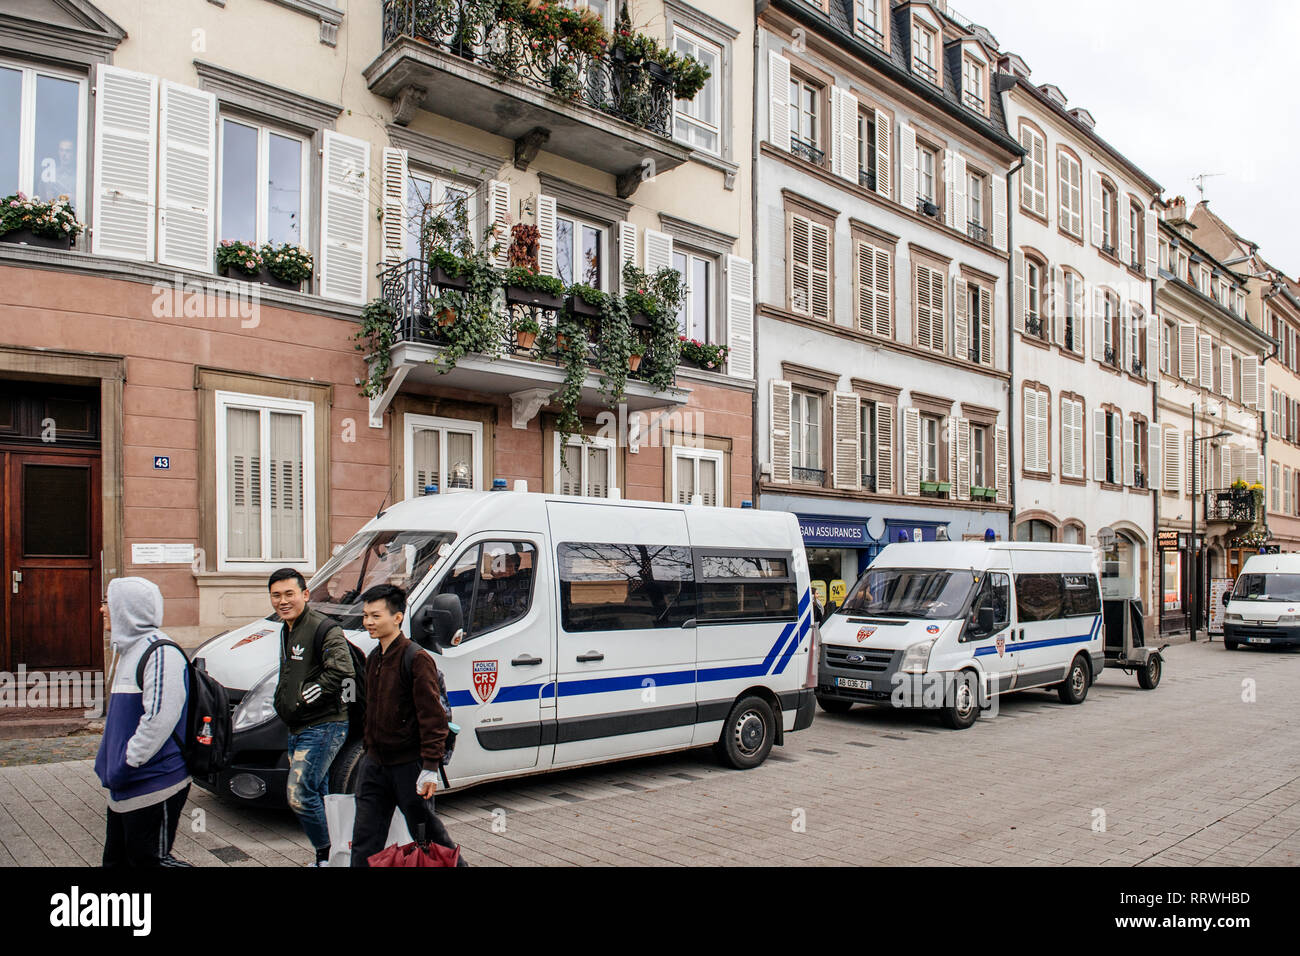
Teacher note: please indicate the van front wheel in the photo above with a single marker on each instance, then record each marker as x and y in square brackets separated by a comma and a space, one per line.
[1074, 688]
[833, 705]
[962, 708]
[748, 734]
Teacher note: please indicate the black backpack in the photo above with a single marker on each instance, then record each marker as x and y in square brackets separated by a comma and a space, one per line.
[208, 724]
[357, 705]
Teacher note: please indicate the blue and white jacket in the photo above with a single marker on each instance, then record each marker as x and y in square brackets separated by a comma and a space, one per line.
[139, 759]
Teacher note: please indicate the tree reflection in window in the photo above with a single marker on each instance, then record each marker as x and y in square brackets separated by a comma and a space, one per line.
[614, 587]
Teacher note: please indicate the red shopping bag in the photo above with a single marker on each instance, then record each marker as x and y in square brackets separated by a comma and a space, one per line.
[419, 853]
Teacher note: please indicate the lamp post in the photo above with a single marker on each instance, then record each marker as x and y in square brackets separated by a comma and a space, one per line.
[1192, 544]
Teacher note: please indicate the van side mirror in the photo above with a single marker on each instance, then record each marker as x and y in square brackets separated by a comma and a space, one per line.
[986, 619]
[1227, 596]
[438, 623]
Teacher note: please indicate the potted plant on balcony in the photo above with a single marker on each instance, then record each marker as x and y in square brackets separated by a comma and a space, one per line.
[659, 297]
[29, 221]
[526, 329]
[530, 288]
[446, 268]
[375, 339]
[288, 265]
[702, 354]
[479, 321]
[238, 259]
[688, 75]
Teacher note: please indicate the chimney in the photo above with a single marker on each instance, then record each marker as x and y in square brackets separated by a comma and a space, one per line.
[1053, 93]
[1176, 210]
[1084, 117]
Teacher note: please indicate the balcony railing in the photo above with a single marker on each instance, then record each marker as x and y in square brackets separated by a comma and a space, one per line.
[1034, 326]
[1230, 504]
[978, 233]
[867, 178]
[869, 482]
[1138, 368]
[974, 102]
[808, 476]
[927, 207]
[925, 71]
[631, 92]
[411, 289]
[807, 151]
[870, 34]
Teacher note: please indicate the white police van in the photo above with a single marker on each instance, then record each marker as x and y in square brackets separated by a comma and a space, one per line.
[570, 631]
[947, 625]
[1263, 607]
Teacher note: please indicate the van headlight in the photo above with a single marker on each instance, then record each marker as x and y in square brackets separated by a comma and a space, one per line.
[1231, 618]
[917, 657]
[1288, 620]
[258, 705]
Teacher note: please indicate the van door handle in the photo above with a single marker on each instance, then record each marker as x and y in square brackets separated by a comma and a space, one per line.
[524, 660]
[591, 656]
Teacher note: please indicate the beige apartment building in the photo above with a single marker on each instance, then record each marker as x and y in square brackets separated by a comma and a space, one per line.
[1272, 304]
[159, 419]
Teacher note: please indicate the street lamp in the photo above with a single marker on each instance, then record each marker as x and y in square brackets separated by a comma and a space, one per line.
[1193, 545]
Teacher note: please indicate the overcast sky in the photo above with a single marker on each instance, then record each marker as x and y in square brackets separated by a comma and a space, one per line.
[1180, 87]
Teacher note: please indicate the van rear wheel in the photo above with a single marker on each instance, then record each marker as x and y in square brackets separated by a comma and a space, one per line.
[748, 734]
[1074, 688]
[834, 706]
[962, 708]
[346, 767]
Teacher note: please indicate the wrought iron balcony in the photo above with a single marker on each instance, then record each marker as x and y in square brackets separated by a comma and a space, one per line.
[1034, 326]
[1109, 355]
[927, 207]
[869, 482]
[925, 71]
[1230, 504]
[602, 110]
[1138, 368]
[870, 33]
[807, 151]
[974, 102]
[978, 233]
[867, 178]
[808, 476]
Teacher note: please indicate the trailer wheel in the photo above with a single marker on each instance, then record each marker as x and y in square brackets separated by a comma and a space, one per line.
[1074, 688]
[1150, 673]
[748, 734]
[833, 705]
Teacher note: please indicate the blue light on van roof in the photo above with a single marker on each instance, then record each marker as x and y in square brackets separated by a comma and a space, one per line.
[430, 489]
[902, 535]
[989, 535]
[498, 484]
[747, 504]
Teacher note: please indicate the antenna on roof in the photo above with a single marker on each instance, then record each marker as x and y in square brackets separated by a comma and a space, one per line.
[1200, 179]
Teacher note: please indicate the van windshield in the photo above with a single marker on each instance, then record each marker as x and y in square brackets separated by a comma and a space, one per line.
[1267, 587]
[378, 557]
[928, 593]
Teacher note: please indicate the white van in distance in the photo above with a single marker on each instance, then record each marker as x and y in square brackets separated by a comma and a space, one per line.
[945, 625]
[1263, 607]
[570, 631]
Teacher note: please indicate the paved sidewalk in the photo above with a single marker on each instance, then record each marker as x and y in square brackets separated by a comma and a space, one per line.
[1188, 774]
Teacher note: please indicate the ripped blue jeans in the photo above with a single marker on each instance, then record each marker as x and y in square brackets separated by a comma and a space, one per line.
[310, 755]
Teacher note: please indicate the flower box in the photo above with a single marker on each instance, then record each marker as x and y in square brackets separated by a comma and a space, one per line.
[639, 320]
[935, 487]
[231, 272]
[440, 277]
[25, 237]
[983, 494]
[266, 278]
[539, 300]
[577, 305]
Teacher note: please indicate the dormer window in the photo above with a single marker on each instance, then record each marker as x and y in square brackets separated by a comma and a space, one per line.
[924, 52]
[972, 84]
[867, 21]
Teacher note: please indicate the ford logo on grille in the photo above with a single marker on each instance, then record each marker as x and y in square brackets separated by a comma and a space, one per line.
[855, 658]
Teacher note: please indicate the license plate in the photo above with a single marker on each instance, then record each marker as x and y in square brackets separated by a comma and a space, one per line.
[853, 683]
[1258, 640]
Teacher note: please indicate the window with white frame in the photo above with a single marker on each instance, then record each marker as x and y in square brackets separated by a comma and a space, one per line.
[805, 128]
[867, 148]
[42, 147]
[1134, 235]
[930, 428]
[975, 199]
[695, 314]
[806, 430]
[699, 121]
[265, 482]
[588, 469]
[981, 474]
[697, 471]
[867, 443]
[1071, 193]
[926, 161]
[1033, 178]
[923, 51]
[429, 196]
[866, 13]
[263, 184]
[579, 250]
[1108, 217]
[442, 454]
[972, 83]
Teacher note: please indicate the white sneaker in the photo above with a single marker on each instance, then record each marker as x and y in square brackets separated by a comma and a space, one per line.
[321, 863]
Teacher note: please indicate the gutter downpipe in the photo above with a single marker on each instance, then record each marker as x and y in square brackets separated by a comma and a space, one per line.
[1157, 587]
[1011, 355]
[756, 468]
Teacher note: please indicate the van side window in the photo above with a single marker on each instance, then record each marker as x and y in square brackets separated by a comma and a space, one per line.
[1039, 597]
[494, 582]
[736, 586]
[995, 592]
[622, 587]
[1081, 595]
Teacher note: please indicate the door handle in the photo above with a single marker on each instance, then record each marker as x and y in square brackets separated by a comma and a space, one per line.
[591, 656]
[17, 580]
[524, 660]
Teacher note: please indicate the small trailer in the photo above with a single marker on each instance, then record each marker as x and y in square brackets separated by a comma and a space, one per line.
[1125, 643]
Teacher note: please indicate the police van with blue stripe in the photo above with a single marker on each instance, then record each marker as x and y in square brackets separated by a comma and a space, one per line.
[949, 626]
[570, 631]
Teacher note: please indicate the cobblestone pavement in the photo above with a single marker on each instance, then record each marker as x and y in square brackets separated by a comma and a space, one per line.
[1191, 773]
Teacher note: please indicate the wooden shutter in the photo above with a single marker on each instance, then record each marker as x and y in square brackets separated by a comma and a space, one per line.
[938, 309]
[954, 168]
[547, 228]
[1205, 361]
[187, 168]
[883, 157]
[963, 446]
[884, 448]
[126, 137]
[906, 166]
[1225, 372]
[740, 317]
[1251, 472]
[986, 327]
[1003, 476]
[1098, 237]
[1020, 292]
[884, 293]
[866, 266]
[1099, 445]
[1238, 461]
[1126, 253]
[819, 270]
[1045, 431]
[960, 318]
[847, 457]
[1187, 351]
[1069, 463]
[658, 251]
[1123, 358]
[626, 250]
[778, 92]
[1058, 306]
[1099, 342]
[1130, 451]
[1249, 382]
[1154, 455]
[1039, 167]
[345, 217]
[998, 186]
[394, 196]
[911, 451]
[800, 265]
[780, 394]
[1029, 417]
[1153, 327]
[1151, 235]
[924, 332]
[1080, 315]
[1172, 461]
[844, 143]
[1259, 384]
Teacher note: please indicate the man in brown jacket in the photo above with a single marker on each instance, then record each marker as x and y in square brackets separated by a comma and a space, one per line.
[406, 731]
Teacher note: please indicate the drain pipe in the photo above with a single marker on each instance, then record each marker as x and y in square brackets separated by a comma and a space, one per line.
[756, 468]
[1157, 576]
[1011, 354]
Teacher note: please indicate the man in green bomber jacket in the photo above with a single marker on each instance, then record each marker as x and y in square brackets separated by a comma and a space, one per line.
[309, 699]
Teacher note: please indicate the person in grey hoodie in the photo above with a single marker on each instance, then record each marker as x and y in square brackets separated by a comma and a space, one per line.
[140, 760]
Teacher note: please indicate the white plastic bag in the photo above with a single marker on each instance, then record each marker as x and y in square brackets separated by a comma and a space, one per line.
[341, 813]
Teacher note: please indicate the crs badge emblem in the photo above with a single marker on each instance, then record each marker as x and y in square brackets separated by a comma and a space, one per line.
[1002, 645]
[485, 679]
[864, 633]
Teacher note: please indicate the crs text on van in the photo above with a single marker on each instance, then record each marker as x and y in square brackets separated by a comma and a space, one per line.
[946, 625]
[569, 631]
